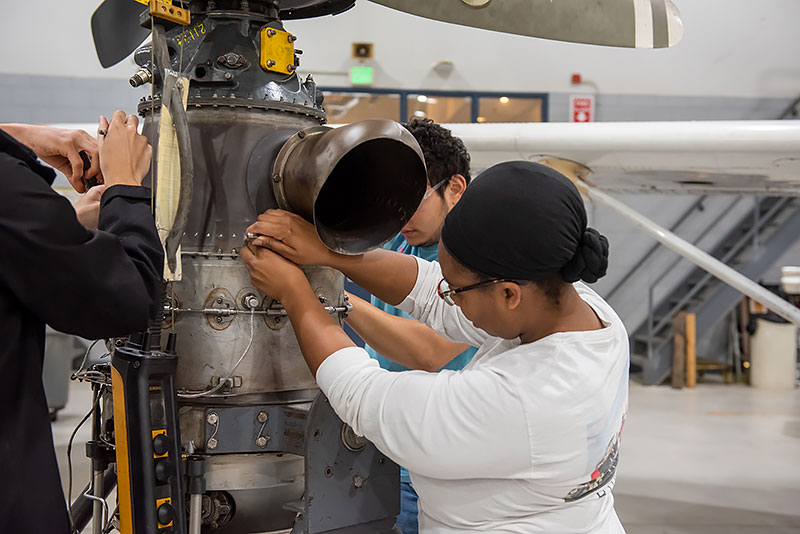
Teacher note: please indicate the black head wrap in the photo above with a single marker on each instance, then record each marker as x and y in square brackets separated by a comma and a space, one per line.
[524, 221]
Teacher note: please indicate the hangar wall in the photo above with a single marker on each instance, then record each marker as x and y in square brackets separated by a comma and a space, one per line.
[730, 48]
[737, 61]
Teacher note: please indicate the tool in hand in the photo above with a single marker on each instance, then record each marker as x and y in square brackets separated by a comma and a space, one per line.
[91, 182]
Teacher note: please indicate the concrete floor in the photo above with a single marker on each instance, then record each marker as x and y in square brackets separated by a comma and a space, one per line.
[718, 459]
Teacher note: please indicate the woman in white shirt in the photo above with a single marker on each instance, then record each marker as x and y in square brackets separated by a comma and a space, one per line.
[526, 438]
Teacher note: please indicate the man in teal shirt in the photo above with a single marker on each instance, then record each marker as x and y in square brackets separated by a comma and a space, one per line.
[447, 161]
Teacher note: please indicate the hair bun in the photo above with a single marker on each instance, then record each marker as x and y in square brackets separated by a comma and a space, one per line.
[590, 261]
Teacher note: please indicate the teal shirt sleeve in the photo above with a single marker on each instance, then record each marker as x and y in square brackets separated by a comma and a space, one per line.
[399, 244]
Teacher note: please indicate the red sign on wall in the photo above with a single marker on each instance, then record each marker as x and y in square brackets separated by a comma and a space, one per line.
[581, 108]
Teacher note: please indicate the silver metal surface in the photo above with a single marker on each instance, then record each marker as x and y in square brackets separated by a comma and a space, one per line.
[209, 349]
[195, 513]
[141, 77]
[260, 484]
[99, 504]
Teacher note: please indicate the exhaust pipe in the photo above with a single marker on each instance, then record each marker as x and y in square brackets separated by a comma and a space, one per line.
[359, 184]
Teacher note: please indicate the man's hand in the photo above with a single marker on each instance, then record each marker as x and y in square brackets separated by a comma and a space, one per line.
[61, 148]
[291, 236]
[271, 274]
[124, 154]
[87, 208]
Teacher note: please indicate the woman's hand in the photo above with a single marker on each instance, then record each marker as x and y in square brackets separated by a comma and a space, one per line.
[291, 236]
[317, 332]
[124, 154]
[87, 208]
[272, 274]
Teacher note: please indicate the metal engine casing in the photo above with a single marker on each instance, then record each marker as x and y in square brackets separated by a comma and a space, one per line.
[239, 118]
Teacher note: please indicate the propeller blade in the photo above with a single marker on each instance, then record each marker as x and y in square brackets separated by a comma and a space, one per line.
[116, 30]
[624, 23]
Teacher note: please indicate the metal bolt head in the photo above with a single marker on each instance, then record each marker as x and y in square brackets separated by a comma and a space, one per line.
[212, 418]
[271, 33]
[261, 441]
[262, 417]
[212, 443]
[250, 301]
[270, 63]
[219, 300]
[218, 318]
[358, 481]
[276, 178]
[228, 75]
[291, 68]
[292, 38]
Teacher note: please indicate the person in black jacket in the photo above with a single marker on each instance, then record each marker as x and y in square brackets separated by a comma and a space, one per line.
[94, 284]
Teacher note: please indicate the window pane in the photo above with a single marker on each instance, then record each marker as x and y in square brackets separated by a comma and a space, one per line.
[509, 109]
[440, 108]
[351, 107]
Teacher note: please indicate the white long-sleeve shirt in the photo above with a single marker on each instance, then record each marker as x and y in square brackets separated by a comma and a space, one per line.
[523, 440]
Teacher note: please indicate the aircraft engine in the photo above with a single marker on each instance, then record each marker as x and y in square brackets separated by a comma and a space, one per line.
[225, 392]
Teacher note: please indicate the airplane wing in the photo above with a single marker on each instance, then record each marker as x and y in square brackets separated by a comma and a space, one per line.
[653, 157]
[755, 157]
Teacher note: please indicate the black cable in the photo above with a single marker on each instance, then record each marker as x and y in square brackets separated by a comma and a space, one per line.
[69, 456]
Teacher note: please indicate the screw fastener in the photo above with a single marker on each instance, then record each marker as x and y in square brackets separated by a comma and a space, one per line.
[212, 443]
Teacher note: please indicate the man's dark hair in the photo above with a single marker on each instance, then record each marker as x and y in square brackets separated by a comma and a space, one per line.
[445, 154]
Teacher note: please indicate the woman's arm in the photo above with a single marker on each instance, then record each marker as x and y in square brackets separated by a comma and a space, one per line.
[388, 275]
[317, 333]
[449, 425]
[400, 339]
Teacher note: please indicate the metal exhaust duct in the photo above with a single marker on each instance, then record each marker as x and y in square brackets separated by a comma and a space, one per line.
[358, 183]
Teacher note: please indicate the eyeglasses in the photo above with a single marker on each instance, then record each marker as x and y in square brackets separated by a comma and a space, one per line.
[446, 294]
[430, 191]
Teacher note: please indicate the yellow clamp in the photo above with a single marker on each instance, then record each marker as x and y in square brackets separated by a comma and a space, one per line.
[164, 9]
[277, 51]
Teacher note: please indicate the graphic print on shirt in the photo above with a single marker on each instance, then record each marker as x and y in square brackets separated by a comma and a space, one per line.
[603, 473]
[603, 443]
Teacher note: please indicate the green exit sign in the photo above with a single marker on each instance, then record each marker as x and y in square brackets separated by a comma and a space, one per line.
[361, 75]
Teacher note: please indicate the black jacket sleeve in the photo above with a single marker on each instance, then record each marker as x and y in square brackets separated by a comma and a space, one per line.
[93, 284]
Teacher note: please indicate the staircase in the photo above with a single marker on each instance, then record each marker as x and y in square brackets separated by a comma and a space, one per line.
[751, 247]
